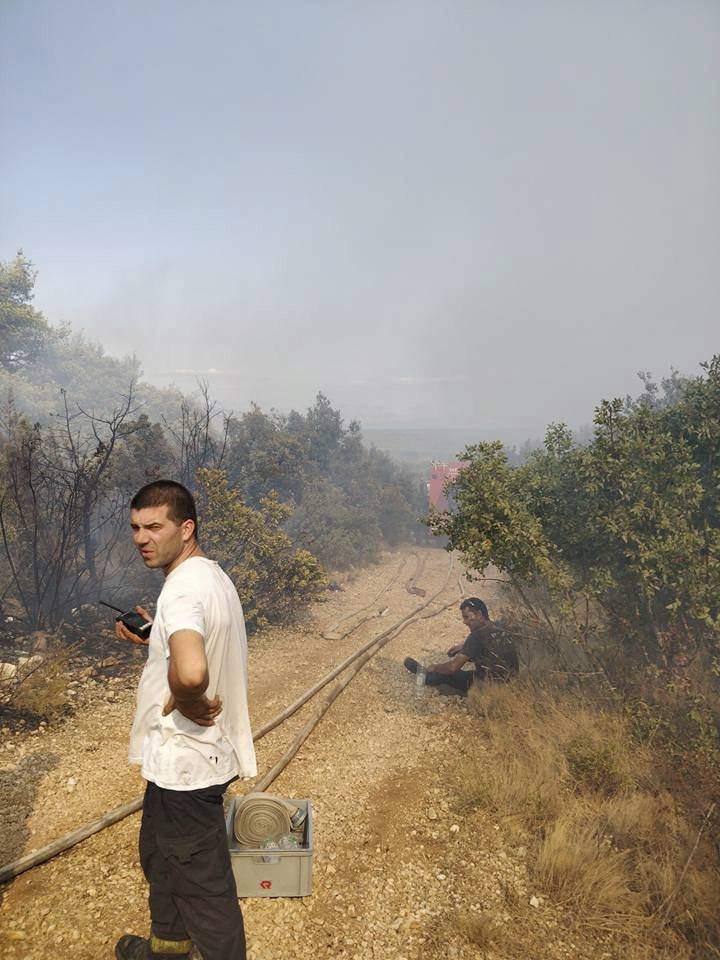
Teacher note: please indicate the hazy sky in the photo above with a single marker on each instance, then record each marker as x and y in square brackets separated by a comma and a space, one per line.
[486, 214]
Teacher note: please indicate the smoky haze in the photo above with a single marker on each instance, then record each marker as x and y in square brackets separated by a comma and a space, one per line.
[474, 215]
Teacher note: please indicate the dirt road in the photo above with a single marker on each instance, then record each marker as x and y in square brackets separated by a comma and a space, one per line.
[404, 866]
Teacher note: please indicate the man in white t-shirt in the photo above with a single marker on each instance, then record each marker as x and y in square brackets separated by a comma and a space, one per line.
[191, 736]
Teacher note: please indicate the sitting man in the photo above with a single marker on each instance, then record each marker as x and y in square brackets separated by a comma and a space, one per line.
[487, 645]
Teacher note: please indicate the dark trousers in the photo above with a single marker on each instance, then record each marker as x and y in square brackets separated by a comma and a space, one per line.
[461, 681]
[185, 858]
[464, 679]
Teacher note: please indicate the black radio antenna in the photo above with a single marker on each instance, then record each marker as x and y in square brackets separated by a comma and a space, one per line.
[111, 606]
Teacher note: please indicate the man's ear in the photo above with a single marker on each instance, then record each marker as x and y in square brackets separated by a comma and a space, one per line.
[188, 529]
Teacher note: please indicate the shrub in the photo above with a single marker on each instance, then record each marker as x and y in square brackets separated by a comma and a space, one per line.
[594, 763]
[607, 837]
[274, 580]
[579, 865]
[40, 684]
[338, 533]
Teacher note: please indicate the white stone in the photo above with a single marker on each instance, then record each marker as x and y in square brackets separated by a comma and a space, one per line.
[7, 671]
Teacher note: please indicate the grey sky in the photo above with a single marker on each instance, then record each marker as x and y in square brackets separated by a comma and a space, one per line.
[473, 214]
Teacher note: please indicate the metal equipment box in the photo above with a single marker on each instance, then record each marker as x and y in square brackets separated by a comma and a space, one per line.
[272, 873]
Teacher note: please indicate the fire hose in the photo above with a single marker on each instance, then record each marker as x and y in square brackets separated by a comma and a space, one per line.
[259, 816]
[362, 655]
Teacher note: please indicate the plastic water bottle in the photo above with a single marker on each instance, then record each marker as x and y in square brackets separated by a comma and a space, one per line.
[420, 681]
[273, 848]
[288, 842]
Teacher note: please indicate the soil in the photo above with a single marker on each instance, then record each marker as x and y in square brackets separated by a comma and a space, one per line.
[403, 866]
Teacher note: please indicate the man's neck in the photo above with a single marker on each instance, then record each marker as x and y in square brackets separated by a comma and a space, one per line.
[190, 549]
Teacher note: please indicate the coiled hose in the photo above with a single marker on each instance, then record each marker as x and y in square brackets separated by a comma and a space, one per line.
[263, 816]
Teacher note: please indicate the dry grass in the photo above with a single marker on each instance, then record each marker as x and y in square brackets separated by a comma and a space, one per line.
[40, 686]
[483, 930]
[608, 841]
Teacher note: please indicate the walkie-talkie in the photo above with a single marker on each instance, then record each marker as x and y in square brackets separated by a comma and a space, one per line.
[134, 622]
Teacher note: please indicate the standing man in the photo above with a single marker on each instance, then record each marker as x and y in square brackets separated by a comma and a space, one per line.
[191, 736]
[487, 646]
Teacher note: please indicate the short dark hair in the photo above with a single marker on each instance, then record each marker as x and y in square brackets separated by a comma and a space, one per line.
[170, 494]
[475, 603]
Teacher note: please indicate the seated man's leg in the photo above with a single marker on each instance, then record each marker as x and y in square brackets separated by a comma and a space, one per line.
[460, 681]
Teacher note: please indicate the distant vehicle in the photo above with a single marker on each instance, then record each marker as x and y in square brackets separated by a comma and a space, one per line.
[442, 474]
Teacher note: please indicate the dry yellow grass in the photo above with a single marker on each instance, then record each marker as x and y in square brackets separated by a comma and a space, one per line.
[608, 841]
[579, 867]
[482, 930]
[41, 686]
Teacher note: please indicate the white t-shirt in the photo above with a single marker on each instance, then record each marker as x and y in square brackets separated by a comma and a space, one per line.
[175, 752]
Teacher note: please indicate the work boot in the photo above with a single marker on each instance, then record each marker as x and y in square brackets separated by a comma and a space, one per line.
[130, 947]
[411, 665]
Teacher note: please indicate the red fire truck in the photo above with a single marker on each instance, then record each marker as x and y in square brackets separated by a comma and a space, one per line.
[440, 475]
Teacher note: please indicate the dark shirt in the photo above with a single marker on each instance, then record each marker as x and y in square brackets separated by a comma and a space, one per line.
[492, 652]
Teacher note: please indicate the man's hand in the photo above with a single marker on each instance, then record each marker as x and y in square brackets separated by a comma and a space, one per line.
[456, 662]
[456, 649]
[200, 710]
[122, 632]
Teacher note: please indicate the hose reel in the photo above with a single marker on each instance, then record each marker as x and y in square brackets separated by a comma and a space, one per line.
[263, 816]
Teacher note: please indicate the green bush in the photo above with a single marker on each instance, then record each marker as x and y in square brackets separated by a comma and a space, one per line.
[340, 534]
[274, 580]
[625, 528]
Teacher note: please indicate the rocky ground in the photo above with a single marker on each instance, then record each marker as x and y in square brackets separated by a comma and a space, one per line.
[403, 866]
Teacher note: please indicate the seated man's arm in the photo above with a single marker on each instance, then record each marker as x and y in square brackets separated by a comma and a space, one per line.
[188, 679]
[449, 666]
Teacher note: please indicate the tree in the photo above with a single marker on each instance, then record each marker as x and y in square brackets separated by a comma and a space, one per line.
[60, 514]
[273, 579]
[263, 456]
[321, 429]
[196, 442]
[629, 521]
[142, 455]
[340, 533]
[23, 330]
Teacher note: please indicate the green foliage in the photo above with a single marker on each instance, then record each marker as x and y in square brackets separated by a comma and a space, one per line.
[322, 430]
[37, 360]
[92, 379]
[65, 481]
[274, 580]
[340, 534]
[142, 455]
[629, 521]
[680, 711]
[493, 521]
[263, 456]
[23, 330]
[349, 502]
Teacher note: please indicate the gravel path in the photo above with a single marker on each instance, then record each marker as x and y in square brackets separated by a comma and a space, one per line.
[403, 867]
